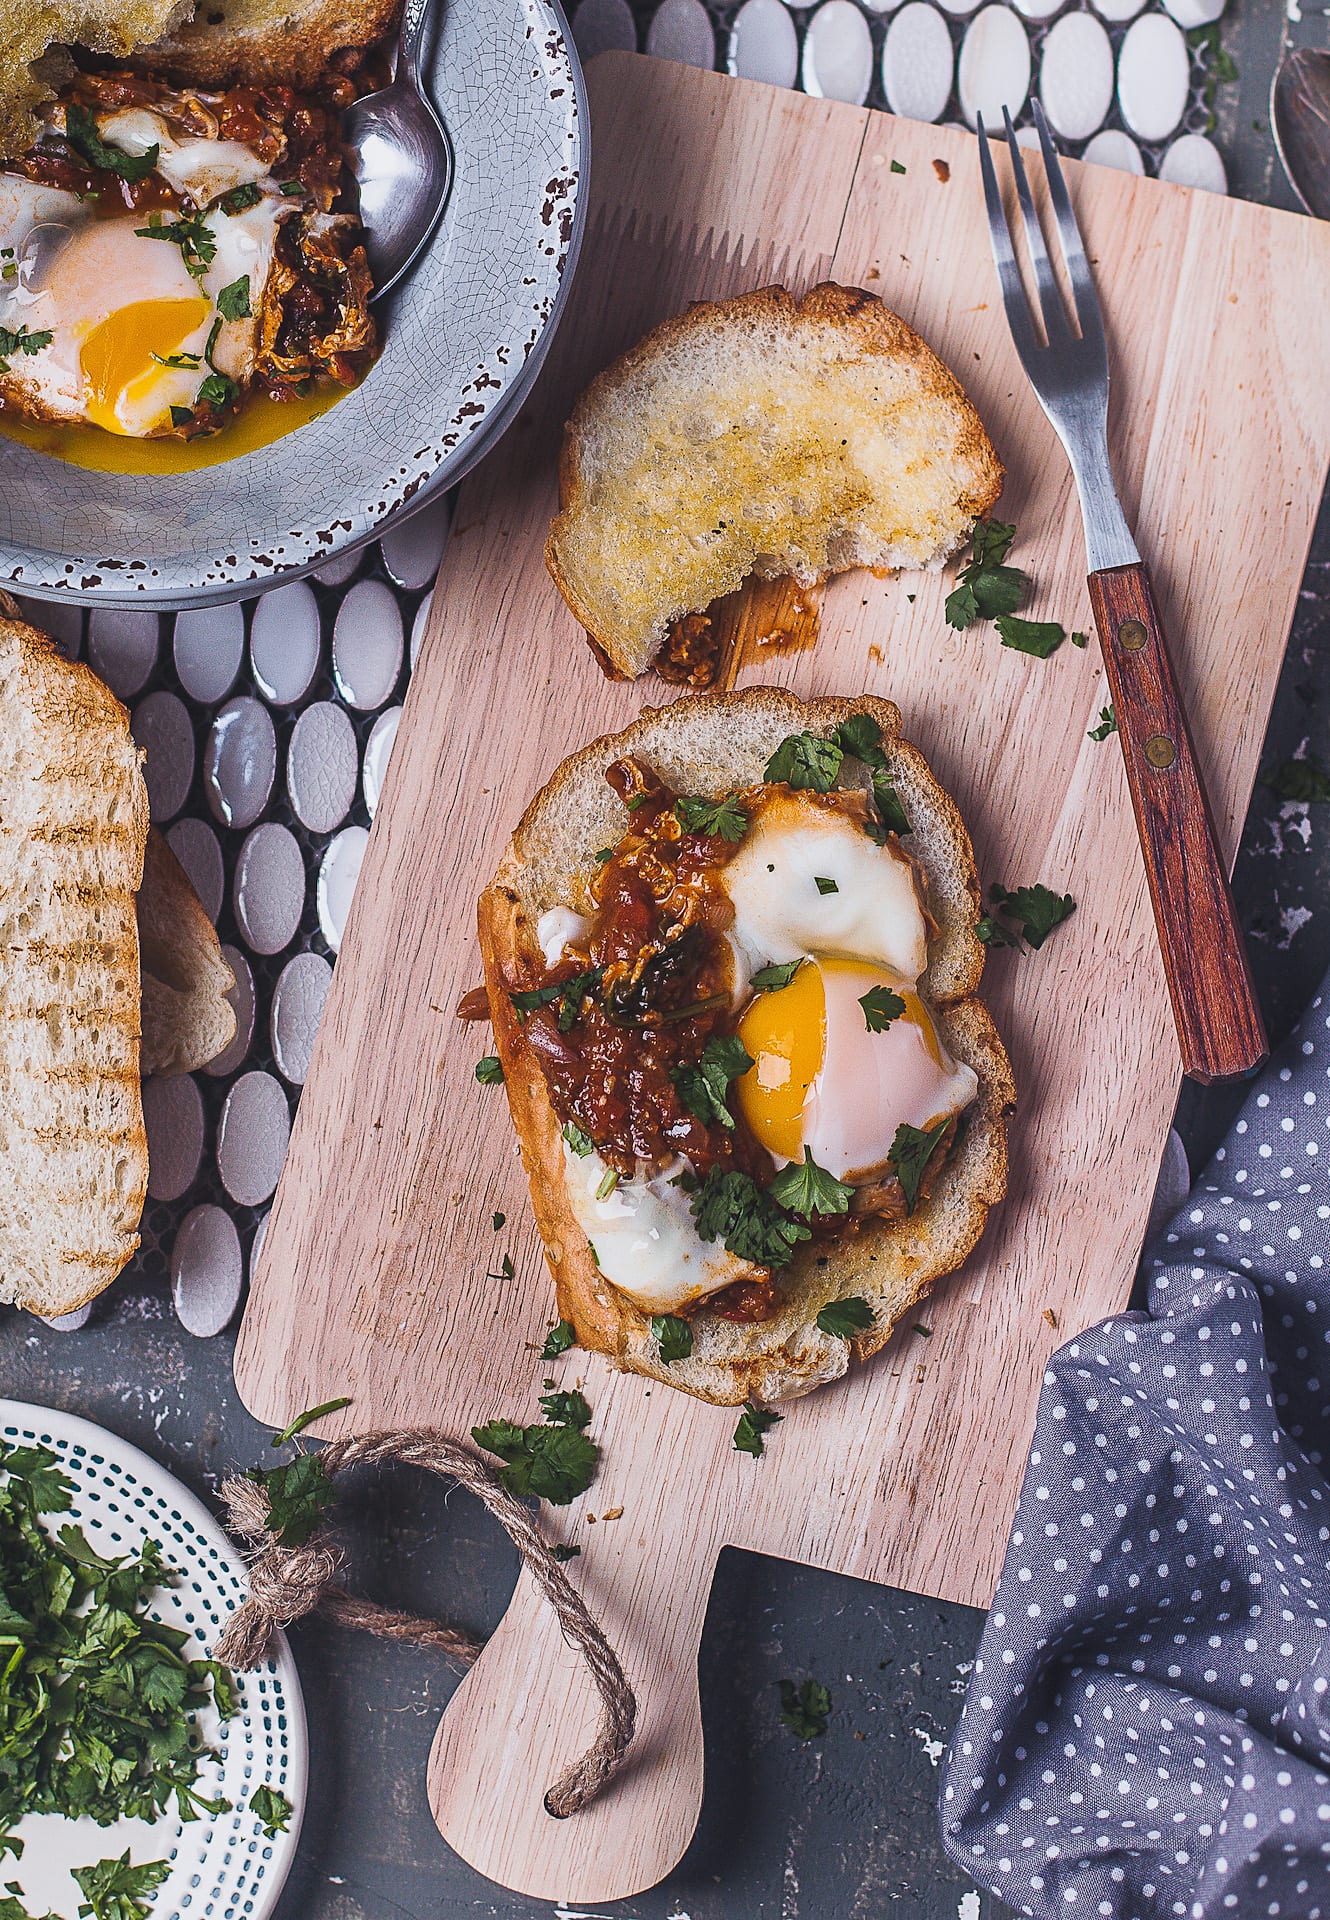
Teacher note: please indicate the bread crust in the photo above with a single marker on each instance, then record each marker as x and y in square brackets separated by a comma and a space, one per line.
[868, 326]
[550, 861]
[263, 42]
[187, 1017]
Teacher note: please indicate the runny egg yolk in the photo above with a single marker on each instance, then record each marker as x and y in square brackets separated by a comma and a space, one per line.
[117, 355]
[822, 1080]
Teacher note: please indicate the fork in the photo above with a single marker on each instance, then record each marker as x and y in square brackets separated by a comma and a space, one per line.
[1220, 1029]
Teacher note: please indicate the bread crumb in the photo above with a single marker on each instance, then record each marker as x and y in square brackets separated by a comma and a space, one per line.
[1050, 1316]
[942, 170]
[612, 1513]
[919, 1376]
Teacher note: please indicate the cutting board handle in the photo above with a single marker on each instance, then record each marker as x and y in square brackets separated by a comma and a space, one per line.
[528, 1707]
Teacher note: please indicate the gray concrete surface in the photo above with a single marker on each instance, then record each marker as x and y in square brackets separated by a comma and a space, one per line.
[841, 1828]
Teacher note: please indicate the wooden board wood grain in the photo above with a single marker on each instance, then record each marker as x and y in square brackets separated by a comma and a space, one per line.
[380, 1275]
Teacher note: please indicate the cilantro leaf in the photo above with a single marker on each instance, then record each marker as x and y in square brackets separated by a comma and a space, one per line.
[961, 607]
[731, 1207]
[991, 542]
[198, 248]
[581, 1143]
[248, 194]
[998, 590]
[888, 801]
[860, 736]
[806, 1709]
[39, 1470]
[1079, 639]
[911, 1151]
[489, 1071]
[897, 166]
[1299, 780]
[115, 1890]
[21, 340]
[995, 933]
[986, 588]
[805, 760]
[721, 819]
[1108, 723]
[299, 1494]
[11, 1901]
[754, 1421]
[272, 1810]
[844, 1318]
[1038, 637]
[574, 992]
[558, 1340]
[217, 392]
[554, 1462]
[809, 1189]
[563, 1553]
[673, 1336]
[566, 1409]
[705, 1085]
[1038, 910]
[233, 300]
[824, 885]
[771, 979]
[881, 1006]
[82, 134]
[529, 998]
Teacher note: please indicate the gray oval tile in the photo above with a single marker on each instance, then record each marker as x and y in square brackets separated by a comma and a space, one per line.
[284, 643]
[321, 766]
[918, 62]
[297, 1008]
[269, 888]
[1153, 75]
[383, 735]
[338, 872]
[207, 1271]
[209, 642]
[239, 761]
[122, 647]
[173, 1122]
[412, 549]
[162, 727]
[196, 847]
[763, 44]
[252, 1137]
[838, 53]
[367, 645]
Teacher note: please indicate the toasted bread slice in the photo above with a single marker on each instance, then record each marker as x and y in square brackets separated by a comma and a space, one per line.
[710, 744]
[254, 42]
[187, 1018]
[30, 72]
[73, 825]
[759, 435]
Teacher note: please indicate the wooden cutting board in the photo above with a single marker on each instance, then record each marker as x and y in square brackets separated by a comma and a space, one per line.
[381, 1272]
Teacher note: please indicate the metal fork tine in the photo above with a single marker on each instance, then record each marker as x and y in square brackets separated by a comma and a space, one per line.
[1009, 273]
[1050, 299]
[1069, 232]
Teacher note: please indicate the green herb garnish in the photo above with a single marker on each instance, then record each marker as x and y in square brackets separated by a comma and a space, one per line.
[824, 885]
[720, 819]
[881, 1006]
[1299, 780]
[808, 1189]
[732, 1208]
[233, 300]
[1035, 910]
[489, 1071]
[82, 134]
[21, 340]
[754, 1421]
[911, 1151]
[673, 1336]
[553, 1462]
[198, 249]
[271, 1809]
[115, 1890]
[581, 1143]
[704, 1085]
[1038, 637]
[1108, 723]
[986, 587]
[558, 1340]
[247, 195]
[805, 760]
[806, 1709]
[771, 979]
[842, 1319]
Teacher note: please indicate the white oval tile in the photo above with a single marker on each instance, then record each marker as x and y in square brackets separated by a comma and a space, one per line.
[881, 6]
[1194, 161]
[1076, 75]
[284, 642]
[1028, 137]
[269, 891]
[1038, 10]
[63, 620]
[207, 1271]
[1116, 11]
[321, 766]
[602, 26]
[918, 63]
[383, 735]
[413, 548]
[256, 1245]
[418, 625]
[367, 645]
[209, 642]
[67, 1322]
[763, 44]
[1113, 148]
[252, 1137]
[337, 572]
[297, 1008]
[959, 9]
[682, 30]
[162, 727]
[122, 647]
[239, 761]
[173, 1122]
[241, 997]
[1154, 73]
[994, 67]
[1189, 15]
[338, 872]
[195, 846]
[838, 53]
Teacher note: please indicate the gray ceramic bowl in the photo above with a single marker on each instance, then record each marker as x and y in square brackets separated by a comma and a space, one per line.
[463, 338]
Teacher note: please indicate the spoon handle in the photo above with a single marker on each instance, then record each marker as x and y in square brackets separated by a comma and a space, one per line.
[414, 15]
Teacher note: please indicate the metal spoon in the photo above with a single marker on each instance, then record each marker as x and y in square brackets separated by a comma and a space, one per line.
[1300, 118]
[402, 160]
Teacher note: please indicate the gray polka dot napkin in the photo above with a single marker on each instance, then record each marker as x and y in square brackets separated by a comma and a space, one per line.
[1147, 1730]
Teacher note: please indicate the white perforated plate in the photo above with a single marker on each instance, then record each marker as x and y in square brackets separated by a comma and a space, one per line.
[222, 1868]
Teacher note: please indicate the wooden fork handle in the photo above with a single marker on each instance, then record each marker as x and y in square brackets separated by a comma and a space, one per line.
[1219, 1022]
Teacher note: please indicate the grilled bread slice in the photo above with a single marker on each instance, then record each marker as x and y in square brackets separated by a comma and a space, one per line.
[73, 824]
[34, 34]
[253, 42]
[711, 744]
[764, 435]
[187, 1018]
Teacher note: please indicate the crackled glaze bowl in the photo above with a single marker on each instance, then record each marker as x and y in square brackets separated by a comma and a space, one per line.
[463, 338]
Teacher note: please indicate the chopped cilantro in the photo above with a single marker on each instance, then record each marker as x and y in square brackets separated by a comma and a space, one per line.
[1080, 639]
[805, 760]
[986, 587]
[21, 340]
[198, 249]
[115, 1890]
[732, 1208]
[82, 134]
[233, 300]
[824, 885]
[272, 1810]
[754, 1421]
[806, 1709]
[1037, 910]
[721, 819]
[771, 979]
[186, 362]
[704, 1085]
[1108, 723]
[497, 1220]
[558, 1340]
[246, 195]
[673, 1336]
[844, 1318]
[1038, 637]
[808, 1189]
[553, 1462]
[581, 1143]
[911, 1151]
[182, 416]
[1299, 780]
[881, 1006]
[566, 1409]
[861, 737]
[564, 1553]
[489, 1071]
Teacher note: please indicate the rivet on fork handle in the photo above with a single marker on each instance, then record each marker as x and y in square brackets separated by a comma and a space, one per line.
[1220, 1029]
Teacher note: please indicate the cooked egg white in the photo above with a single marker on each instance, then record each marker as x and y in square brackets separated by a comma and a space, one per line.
[644, 1237]
[118, 304]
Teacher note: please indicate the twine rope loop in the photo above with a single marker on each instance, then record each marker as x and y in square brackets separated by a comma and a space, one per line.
[286, 1583]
